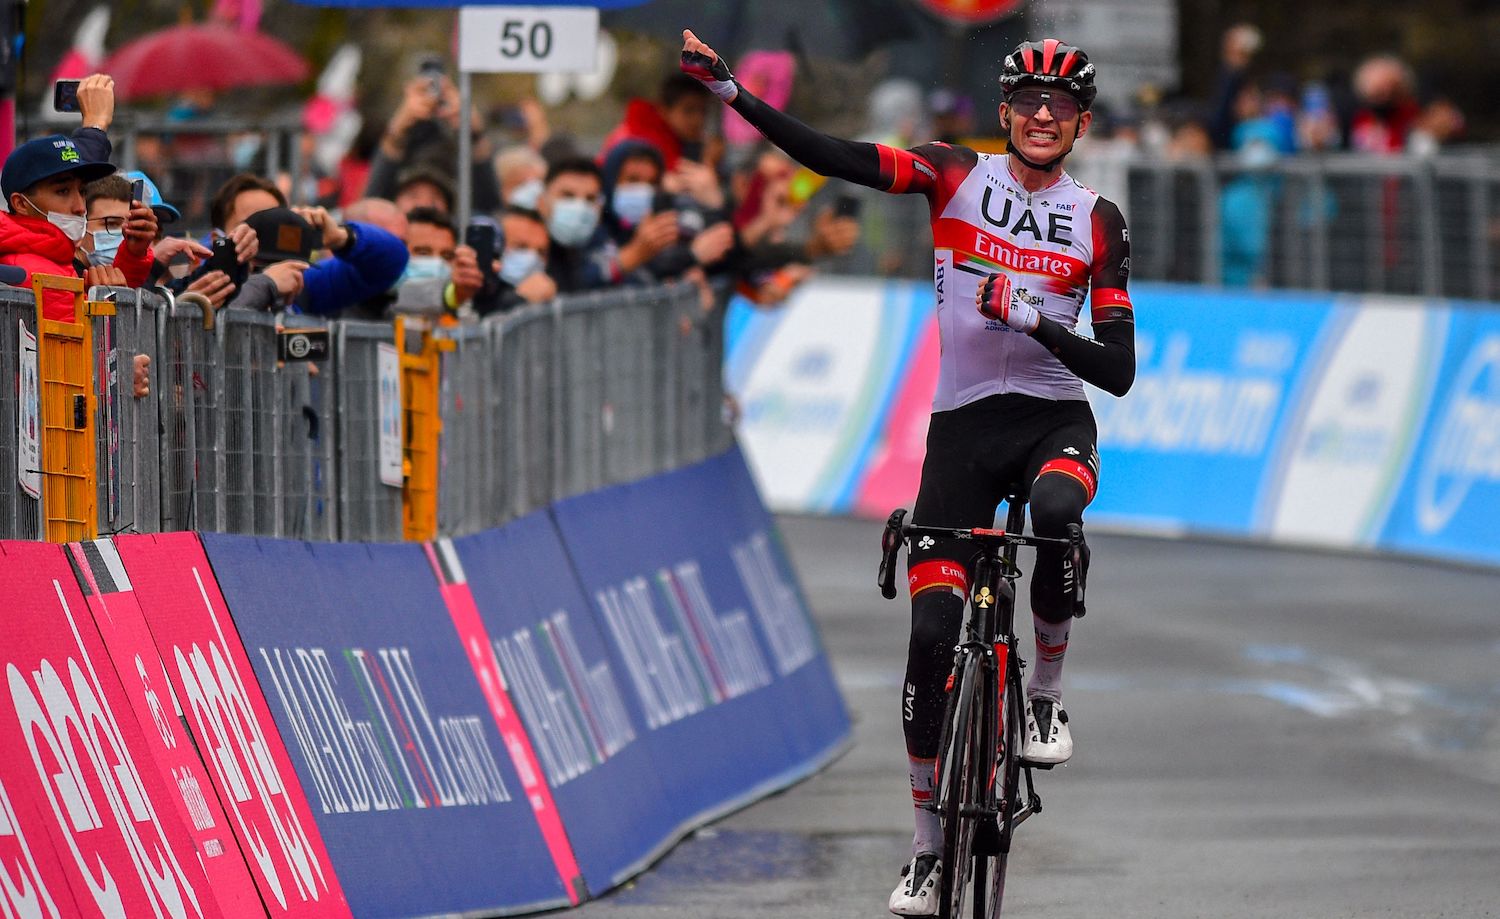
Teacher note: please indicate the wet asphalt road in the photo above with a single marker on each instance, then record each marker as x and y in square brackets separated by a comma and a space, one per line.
[1260, 733]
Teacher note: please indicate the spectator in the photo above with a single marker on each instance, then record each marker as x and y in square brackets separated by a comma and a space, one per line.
[43, 181]
[644, 218]
[424, 187]
[435, 255]
[1240, 44]
[108, 204]
[366, 259]
[523, 274]
[676, 125]
[522, 173]
[286, 243]
[423, 132]
[378, 212]
[581, 254]
[1388, 107]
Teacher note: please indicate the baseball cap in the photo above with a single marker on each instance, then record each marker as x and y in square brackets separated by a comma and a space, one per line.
[44, 158]
[284, 234]
[165, 213]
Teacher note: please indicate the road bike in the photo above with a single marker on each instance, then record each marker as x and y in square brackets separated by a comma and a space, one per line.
[980, 773]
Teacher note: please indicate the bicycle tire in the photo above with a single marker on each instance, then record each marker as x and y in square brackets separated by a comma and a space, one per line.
[958, 784]
[1014, 726]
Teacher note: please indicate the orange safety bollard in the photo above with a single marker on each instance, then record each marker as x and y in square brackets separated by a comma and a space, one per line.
[65, 364]
[420, 382]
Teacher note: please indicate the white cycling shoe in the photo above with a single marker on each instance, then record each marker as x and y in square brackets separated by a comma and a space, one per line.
[1048, 740]
[917, 894]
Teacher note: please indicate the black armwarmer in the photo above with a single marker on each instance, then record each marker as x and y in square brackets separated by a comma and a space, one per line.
[853, 161]
[1107, 360]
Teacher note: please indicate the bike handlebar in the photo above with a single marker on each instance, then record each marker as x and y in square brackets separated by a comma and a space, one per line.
[897, 532]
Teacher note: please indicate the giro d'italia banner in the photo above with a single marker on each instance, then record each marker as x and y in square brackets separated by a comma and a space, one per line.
[1305, 418]
[518, 720]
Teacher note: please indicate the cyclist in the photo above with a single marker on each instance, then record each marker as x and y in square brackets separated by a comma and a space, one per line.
[1018, 247]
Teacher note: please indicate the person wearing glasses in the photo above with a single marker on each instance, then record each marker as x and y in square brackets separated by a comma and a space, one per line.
[1019, 247]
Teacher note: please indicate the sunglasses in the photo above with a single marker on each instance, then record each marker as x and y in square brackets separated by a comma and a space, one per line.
[1028, 102]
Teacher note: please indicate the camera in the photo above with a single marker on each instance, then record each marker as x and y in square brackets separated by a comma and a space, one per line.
[65, 96]
[432, 68]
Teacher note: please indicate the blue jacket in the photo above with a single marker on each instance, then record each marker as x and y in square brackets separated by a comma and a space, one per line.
[367, 269]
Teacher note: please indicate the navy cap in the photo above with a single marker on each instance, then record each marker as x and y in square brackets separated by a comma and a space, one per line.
[165, 213]
[44, 158]
[14, 275]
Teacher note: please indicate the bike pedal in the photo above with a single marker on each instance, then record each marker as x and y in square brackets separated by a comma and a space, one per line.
[1045, 767]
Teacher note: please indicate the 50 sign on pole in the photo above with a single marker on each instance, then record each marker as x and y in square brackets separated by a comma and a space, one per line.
[527, 39]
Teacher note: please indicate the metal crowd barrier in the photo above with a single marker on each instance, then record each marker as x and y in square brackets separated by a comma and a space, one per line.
[534, 405]
[1340, 221]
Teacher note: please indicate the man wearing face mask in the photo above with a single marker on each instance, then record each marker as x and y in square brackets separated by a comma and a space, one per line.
[43, 181]
[441, 275]
[522, 266]
[584, 256]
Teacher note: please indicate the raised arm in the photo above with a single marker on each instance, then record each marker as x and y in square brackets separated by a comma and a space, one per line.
[872, 165]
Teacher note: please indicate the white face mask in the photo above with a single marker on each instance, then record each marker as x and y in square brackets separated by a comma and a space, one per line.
[527, 194]
[106, 244]
[516, 265]
[72, 225]
[573, 221]
[632, 202]
[426, 268]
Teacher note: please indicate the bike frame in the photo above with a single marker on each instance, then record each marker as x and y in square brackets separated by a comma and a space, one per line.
[980, 806]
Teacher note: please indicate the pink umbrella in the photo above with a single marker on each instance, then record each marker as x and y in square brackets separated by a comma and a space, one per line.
[202, 56]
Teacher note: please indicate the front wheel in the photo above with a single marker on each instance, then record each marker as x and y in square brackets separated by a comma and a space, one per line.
[959, 784]
[1013, 726]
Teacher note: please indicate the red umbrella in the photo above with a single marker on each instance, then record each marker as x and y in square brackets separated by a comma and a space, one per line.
[201, 56]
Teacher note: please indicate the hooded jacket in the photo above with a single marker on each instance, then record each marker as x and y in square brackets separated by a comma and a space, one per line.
[39, 247]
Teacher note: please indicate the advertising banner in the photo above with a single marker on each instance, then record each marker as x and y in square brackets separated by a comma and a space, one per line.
[390, 732]
[77, 777]
[707, 635]
[815, 380]
[173, 751]
[227, 715]
[556, 666]
[1189, 444]
[1449, 497]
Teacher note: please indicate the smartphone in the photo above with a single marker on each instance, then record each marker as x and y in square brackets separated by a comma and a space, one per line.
[482, 239]
[432, 68]
[224, 257]
[846, 206]
[663, 201]
[65, 95]
[138, 190]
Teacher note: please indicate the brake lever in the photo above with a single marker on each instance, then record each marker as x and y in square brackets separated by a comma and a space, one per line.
[890, 545]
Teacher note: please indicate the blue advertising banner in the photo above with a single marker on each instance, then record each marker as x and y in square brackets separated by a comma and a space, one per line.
[1449, 498]
[711, 642]
[1214, 386]
[585, 729]
[412, 788]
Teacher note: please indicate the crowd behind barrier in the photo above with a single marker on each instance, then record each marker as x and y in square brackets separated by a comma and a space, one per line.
[535, 405]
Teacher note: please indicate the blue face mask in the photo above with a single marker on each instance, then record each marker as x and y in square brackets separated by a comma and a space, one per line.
[632, 203]
[106, 244]
[572, 222]
[426, 268]
[516, 265]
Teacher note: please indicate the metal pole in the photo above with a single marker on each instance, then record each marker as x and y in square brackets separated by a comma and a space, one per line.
[465, 147]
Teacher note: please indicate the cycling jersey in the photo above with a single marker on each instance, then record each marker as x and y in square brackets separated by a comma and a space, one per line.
[1053, 246]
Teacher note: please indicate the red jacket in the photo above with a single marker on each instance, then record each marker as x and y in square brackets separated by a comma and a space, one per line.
[41, 248]
[643, 121]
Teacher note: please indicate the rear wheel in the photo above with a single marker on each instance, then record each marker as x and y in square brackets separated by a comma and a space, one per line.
[958, 792]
